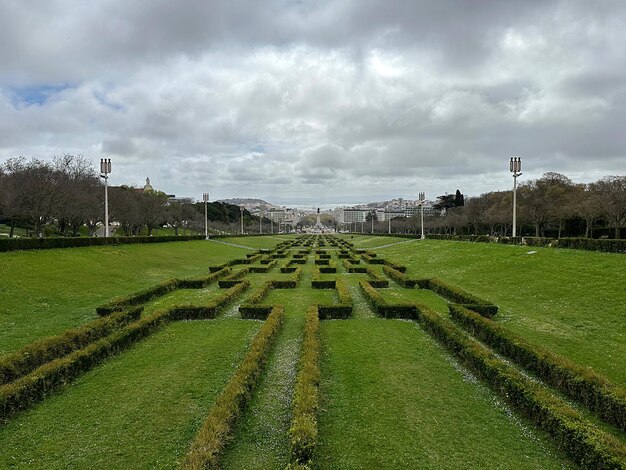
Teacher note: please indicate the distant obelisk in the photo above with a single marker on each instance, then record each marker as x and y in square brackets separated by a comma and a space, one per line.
[318, 218]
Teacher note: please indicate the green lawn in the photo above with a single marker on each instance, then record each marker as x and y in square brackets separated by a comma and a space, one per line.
[138, 410]
[570, 301]
[44, 292]
[392, 399]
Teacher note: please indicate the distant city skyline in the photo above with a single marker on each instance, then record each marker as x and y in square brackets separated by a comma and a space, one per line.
[321, 102]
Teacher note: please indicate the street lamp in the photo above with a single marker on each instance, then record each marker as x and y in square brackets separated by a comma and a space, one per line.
[261, 223]
[205, 198]
[105, 169]
[389, 217]
[422, 198]
[241, 210]
[515, 167]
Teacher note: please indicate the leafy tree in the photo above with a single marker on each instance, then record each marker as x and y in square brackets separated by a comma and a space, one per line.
[610, 192]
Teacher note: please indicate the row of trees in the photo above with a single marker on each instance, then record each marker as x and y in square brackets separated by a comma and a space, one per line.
[66, 195]
[552, 205]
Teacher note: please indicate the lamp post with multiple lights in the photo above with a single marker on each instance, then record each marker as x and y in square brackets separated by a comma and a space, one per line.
[515, 167]
[205, 199]
[422, 198]
[105, 169]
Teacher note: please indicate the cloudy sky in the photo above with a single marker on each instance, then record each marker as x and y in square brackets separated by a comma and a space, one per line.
[307, 101]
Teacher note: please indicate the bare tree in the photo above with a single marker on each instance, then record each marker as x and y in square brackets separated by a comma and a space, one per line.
[611, 199]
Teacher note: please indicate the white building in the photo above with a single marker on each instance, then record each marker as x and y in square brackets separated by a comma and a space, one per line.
[350, 215]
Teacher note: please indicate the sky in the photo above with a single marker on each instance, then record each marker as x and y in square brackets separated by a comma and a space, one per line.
[317, 101]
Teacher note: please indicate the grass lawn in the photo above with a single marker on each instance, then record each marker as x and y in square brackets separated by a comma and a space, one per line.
[392, 399]
[138, 410]
[570, 301]
[44, 292]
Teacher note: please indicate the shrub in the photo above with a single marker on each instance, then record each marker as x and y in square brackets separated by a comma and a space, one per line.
[399, 277]
[290, 283]
[303, 430]
[14, 244]
[216, 430]
[202, 281]
[376, 280]
[233, 279]
[33, 387]
[371, 258]
[585, 444]
[382, 308]
[264, 269]
[395, 266]
[137, 298]
[214, 269]
[579, 383]
[457, 295]
[33, 355]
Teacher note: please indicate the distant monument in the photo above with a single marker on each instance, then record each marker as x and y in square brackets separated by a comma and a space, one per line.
[318, 224]
[148, 186]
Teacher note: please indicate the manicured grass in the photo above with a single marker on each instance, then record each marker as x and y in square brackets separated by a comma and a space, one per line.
[391, 399]
[570, 301]
[44, 292]
[139, 410]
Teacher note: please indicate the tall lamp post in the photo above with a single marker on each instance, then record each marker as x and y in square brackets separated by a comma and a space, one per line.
[515, 167]
[261, 223]
[422, 198]
[241, 210]
[105, 169]
[205, 199]
[389, 217]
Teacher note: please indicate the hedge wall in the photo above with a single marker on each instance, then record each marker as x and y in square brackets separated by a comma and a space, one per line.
[587, 445]
[218, 427]
[458, 295]
[303, 430]
[399, 276]
[33, 355]
[384, 309]
[14, 244]
[580, 383]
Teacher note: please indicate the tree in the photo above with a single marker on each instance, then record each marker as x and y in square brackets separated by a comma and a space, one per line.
[444, 202]
[371, 216]
[611, 199]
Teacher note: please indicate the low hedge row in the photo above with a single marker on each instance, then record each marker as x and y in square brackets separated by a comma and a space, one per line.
[234, 278]
[120, 303]
[265, 268]
[384, 309]
[351, 267]
[318, 283]
[291, 282]
[252, 309]
[303, 430]
[34, 387]
[331, 267]
[457, 295]
[33, 355]
[124, 302]
[210, 310]
[584, 443]
[322, 262]
[218, 427]
[15, 244]
[370, 258]
[376, 280]
[399, 277]
[288, 269]
[296, 261]
[582, 384]
[395, 266]
[219, 267]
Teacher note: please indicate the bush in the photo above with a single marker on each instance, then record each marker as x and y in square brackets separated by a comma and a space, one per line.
[303, 430]
[289, 283]
[264, 269]
[233, 279]
[457, 295]
[33, 355]
[338, 311]
[382, 308]
[376, 280]
[399, 277]
[34, 387]
[202, 281]
[216, 430]
[585, 444]
[137, 298]
[14, 244]
[579, 383]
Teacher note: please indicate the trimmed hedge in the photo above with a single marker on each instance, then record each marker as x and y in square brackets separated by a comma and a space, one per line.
[303, 430]
[382, 308]
[14, 244]
[371, 258]
[252, 309]
[338, 311]
[376, 280]
[264, 269]
[399, 277]
[35, 386]
[351, 268]
[137, 298]
[395, 266]
[584, 443]
[217, 429]
[582, 384]
[33, 355]
[210, 310]
[234, 278]
[290, 283]
[202, 281]
[457, 295]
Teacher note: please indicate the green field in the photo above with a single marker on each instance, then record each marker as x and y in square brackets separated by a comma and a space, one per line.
[391, 396]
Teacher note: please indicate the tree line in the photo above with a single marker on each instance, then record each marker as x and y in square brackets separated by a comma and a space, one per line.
[65, 197]
[552, 206]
